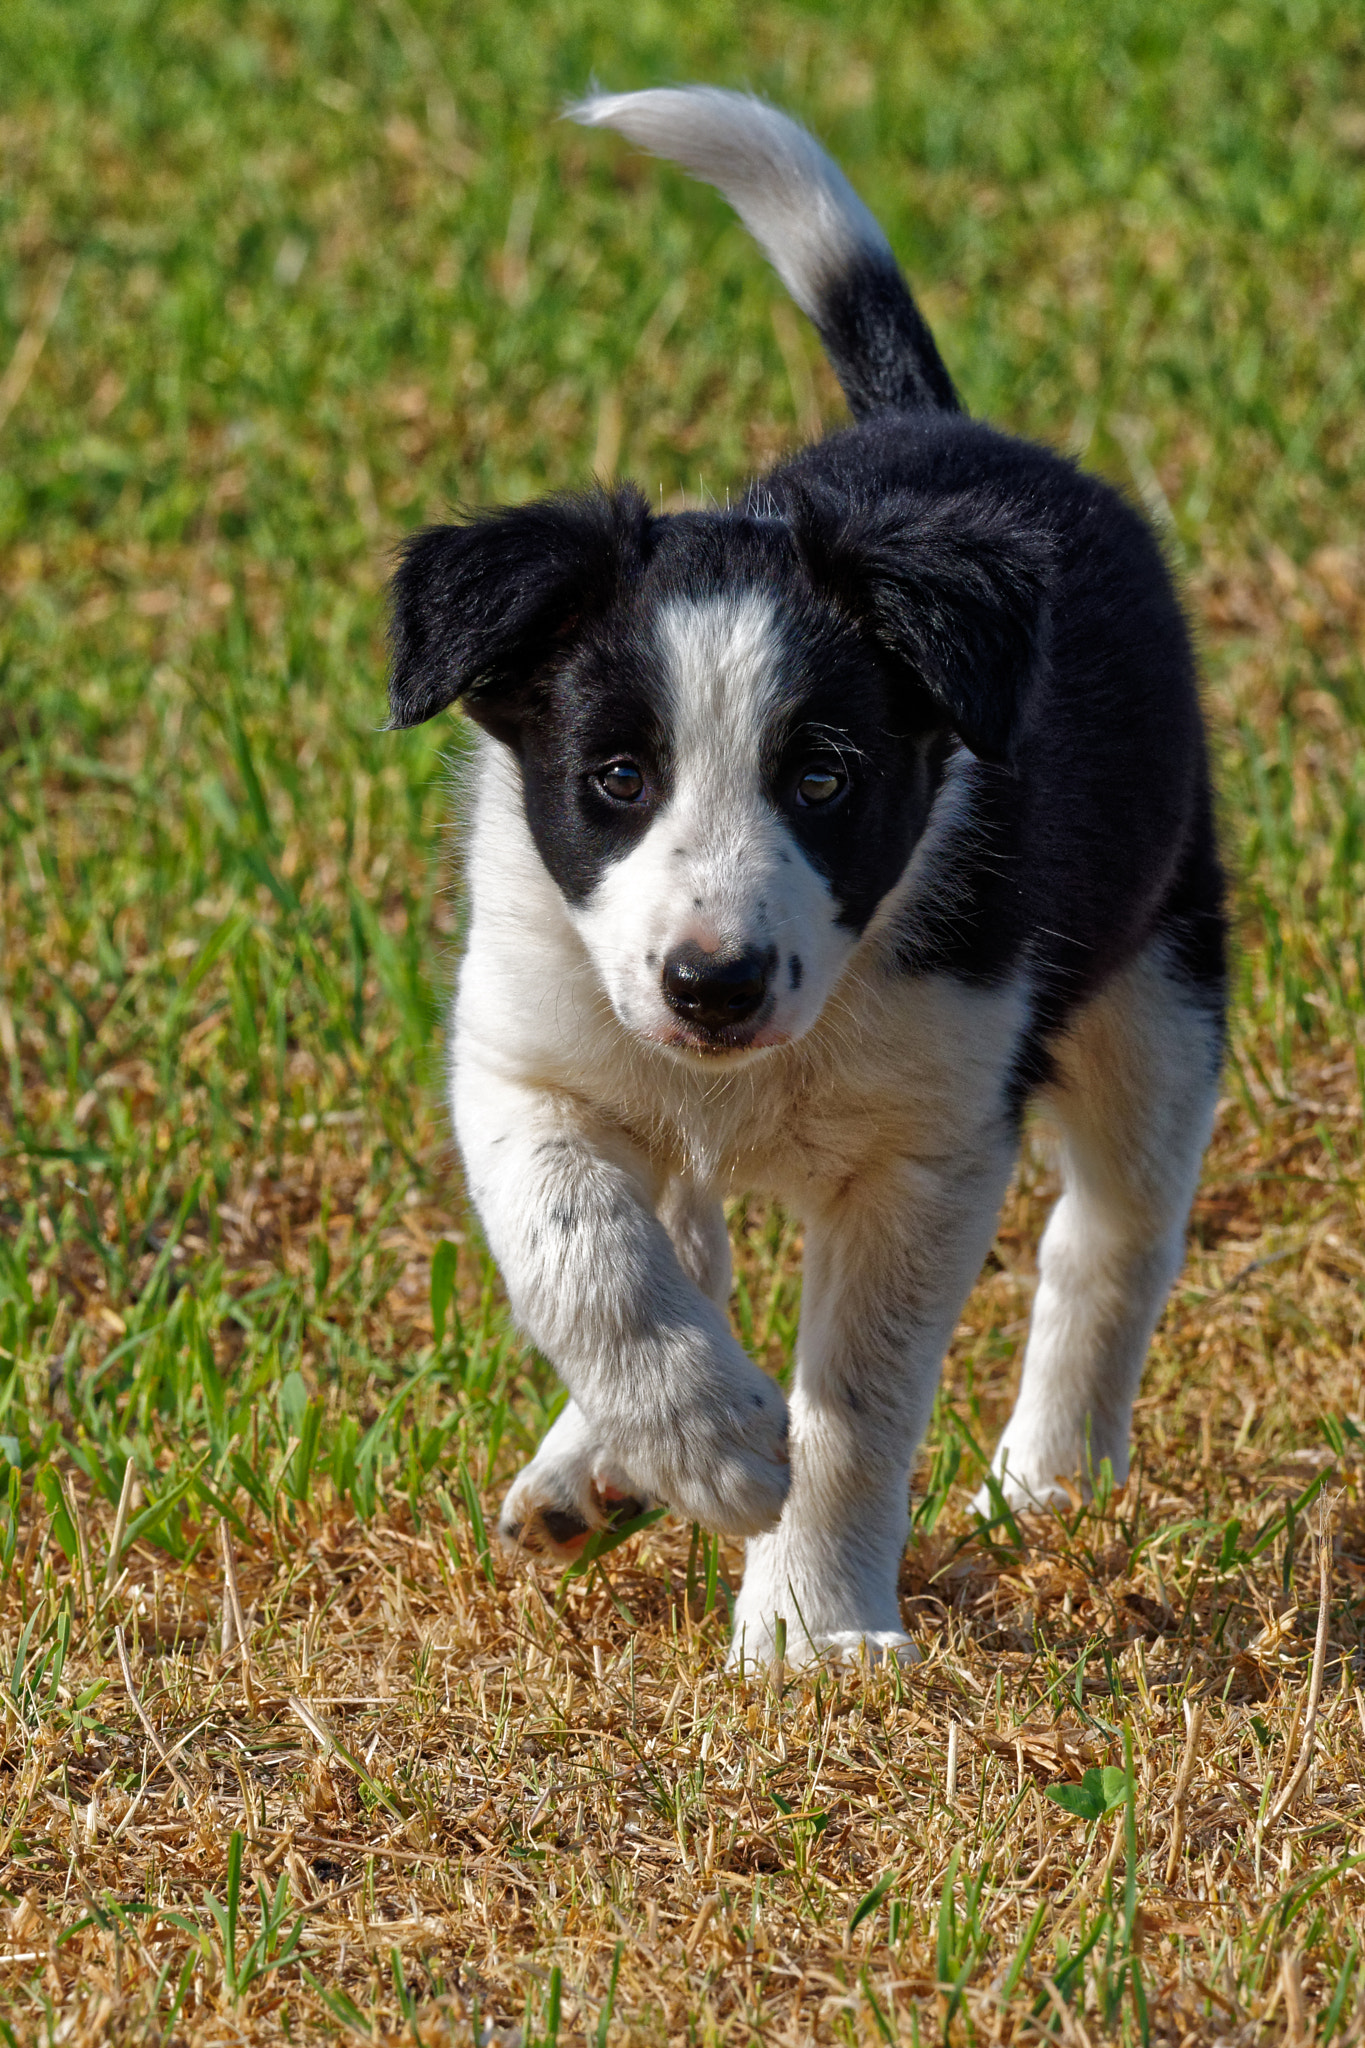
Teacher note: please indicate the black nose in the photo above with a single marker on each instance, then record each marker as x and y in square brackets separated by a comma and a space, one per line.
[713, 990]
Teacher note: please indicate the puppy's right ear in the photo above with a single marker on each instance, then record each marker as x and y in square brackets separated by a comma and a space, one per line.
[478, 610]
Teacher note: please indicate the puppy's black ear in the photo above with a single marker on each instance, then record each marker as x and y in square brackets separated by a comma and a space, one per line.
[952, 589]
[477, 609]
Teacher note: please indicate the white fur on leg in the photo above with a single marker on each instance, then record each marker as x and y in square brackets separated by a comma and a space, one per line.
[572, 1480]
[1135, 1105]
[594, 1278]
[829, 1569]
[832, 1646]
[753, 1646]
[887, 1270]
[1097, 1303]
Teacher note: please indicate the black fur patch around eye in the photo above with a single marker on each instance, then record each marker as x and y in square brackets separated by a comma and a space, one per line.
[606, 701]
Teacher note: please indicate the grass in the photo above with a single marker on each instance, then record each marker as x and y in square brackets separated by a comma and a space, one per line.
[286, 1750]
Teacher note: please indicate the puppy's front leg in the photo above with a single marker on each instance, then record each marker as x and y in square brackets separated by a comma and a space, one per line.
[669, 1397]
[887, 1268]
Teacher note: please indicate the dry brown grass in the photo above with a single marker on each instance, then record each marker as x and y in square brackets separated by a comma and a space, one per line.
[495, 1777]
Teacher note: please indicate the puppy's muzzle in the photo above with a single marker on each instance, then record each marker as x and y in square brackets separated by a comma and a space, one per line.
[717, 994]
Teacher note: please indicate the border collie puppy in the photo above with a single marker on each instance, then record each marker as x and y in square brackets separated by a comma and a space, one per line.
[815, 839]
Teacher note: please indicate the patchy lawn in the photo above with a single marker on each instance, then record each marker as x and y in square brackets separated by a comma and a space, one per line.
[286, 1749]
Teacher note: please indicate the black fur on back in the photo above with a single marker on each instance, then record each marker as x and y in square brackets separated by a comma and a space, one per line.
[1092, 831]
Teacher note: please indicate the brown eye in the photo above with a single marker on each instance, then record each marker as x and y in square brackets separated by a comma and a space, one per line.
[621, 781]
[820, 784]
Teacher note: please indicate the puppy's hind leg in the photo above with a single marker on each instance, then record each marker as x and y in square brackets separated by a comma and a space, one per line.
[1138, 1079]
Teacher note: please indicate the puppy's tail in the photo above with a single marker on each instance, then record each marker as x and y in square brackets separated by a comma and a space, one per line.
[823, 243]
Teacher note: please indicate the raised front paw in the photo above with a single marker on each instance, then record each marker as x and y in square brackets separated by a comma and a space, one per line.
[720, 1458]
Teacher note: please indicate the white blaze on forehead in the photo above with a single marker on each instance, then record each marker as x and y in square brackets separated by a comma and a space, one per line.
[720, 659]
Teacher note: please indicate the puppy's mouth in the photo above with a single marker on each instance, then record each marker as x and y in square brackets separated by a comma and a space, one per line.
[731, 1041]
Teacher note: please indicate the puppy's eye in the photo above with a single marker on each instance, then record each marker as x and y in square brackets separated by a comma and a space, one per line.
[622, 781]
[820, 784]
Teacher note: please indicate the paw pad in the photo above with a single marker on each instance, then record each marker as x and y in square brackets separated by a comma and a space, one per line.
[563, 1525]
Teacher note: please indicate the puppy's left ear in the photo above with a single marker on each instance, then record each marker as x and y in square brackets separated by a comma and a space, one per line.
[952, 590]
[478, 611]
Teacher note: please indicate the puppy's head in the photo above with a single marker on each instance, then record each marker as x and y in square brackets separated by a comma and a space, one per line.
[730, 729]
